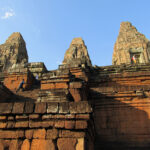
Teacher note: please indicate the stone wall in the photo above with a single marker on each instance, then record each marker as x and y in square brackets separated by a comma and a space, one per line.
[43, 126]
[119, 119]
[12, 80]
[121, 106]
[64, 84]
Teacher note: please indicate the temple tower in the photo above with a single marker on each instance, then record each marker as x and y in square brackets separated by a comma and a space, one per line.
[131, 46]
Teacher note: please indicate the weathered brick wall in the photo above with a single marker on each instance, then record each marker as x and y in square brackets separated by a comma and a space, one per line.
[120, 96]
[43, 126]
[121, 107]
[13, 80]
[68, 84]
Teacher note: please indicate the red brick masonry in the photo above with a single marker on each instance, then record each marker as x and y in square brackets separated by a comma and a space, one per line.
[43, 126]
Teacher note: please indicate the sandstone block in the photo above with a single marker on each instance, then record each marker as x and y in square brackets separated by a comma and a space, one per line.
[25, 145]
[10, 124]
[22, 124]
[69, 124]
[40, 108]
[47, 124]
[76, 94]
[8, 134]
[52, 134]
[73, 107]
[52, 107]
[80, 144]
[64, 107]
[70, 116]
[1, 145]
[29, 133]
[29, 107]
[14, 145]
[66, 143]
[6, 143]
[44, 124]
[34, 116]
[21, 117]
[83, 116]
[6, 108]
[47, 86]
[75, 85]
[2, 118]
[39, 134]
[10, 118]
[59, 124]
[71, 134]
[83, 107]
[47, 117]
[61, 85]
[81, 124]
[3, 125]
[41, 144]
[18, 108]
[59, 116]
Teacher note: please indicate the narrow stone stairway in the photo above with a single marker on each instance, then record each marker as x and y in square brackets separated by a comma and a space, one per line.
[27, 95]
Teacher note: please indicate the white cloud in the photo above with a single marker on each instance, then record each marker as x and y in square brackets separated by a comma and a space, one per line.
[9, 13]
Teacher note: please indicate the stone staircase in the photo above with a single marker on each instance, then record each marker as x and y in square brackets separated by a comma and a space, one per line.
[27, 95]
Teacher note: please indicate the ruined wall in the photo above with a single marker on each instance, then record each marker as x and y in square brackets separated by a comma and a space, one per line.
[119, 120]
[64, 84]
[130, 42]
[44, 126]
[121, 106]
[13, 79]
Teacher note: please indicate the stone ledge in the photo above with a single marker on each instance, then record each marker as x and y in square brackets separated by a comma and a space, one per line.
[11, 134]
[82, 107]
[41, 134]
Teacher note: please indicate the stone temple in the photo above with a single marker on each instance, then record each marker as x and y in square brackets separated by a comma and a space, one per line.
[130, 42]
[77, 106]
[13, 52]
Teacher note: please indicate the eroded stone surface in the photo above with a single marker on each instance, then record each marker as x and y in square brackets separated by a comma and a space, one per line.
[42, 145]
[52, 134]
[130, 42]
[39, 134]
[13, 52]
[77, 53]
[25, 145]
[80, 144]
[66, 143]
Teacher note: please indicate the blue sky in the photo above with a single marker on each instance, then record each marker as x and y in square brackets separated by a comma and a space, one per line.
[48, 26]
